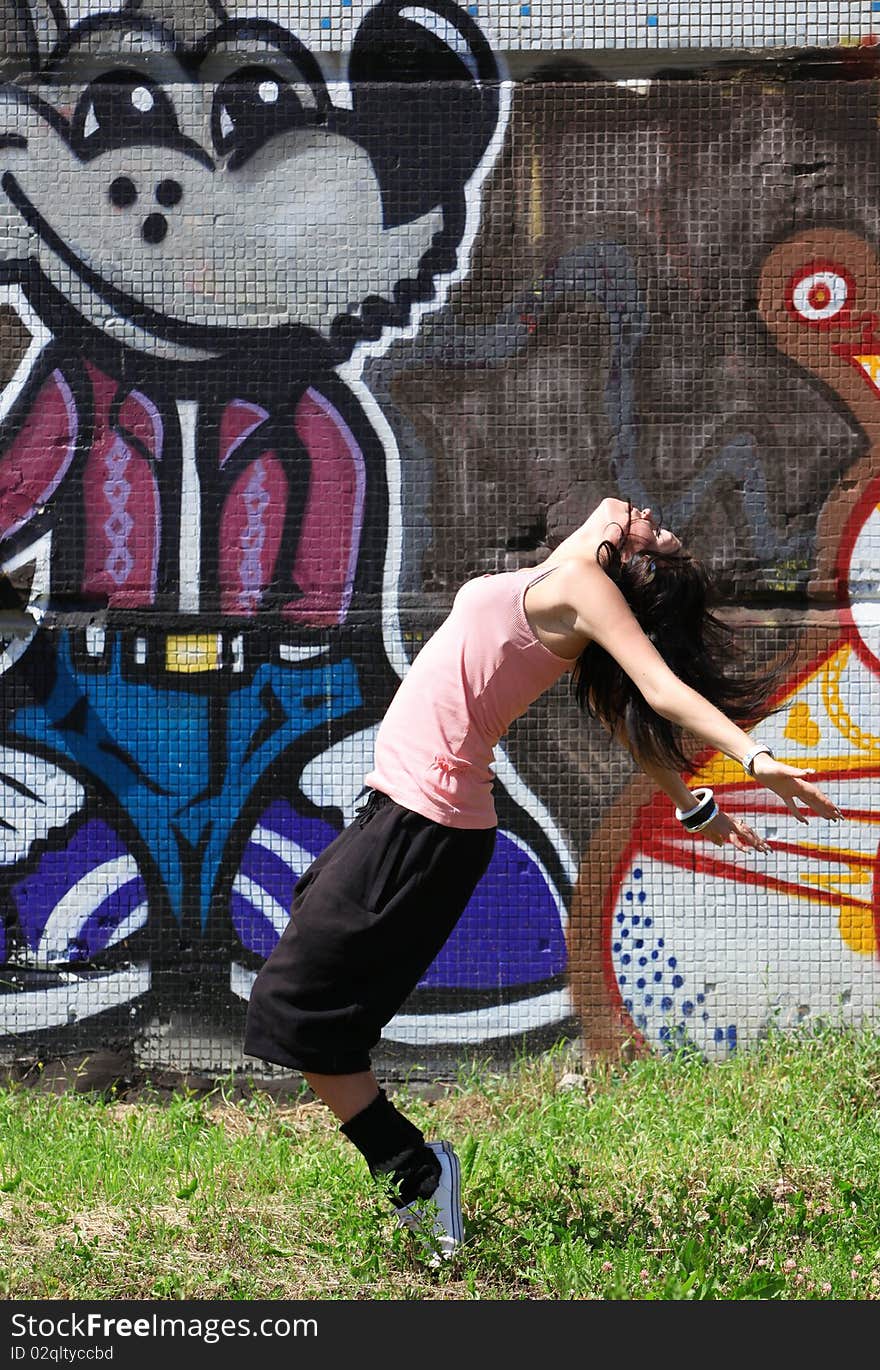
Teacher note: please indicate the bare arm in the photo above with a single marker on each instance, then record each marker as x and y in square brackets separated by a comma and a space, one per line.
[724, 828]
[601, 613]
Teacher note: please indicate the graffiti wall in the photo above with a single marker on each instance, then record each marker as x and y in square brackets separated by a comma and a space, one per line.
[288, 351]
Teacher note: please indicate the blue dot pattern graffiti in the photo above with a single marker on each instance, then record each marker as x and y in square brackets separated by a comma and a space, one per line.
[653, 990]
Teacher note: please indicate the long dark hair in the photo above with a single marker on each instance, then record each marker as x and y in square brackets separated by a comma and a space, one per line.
[669, 595]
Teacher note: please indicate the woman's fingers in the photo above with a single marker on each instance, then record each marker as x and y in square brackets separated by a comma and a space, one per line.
[817, 801]
[725, 830]
[799, 796]
[791, 785]
[793, 808]
[752, 839]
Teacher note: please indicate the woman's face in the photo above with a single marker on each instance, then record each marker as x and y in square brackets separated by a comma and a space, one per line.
[634, 529]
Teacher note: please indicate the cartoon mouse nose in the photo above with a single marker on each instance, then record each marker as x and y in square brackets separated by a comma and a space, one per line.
[123, 194]
[154, 228]
[168, 193]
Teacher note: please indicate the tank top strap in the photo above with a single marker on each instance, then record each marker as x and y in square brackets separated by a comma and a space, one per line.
[541, 574]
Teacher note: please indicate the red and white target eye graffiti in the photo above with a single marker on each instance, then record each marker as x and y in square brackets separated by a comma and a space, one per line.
[821, 293]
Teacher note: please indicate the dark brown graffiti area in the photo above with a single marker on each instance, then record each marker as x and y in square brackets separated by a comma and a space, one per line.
[674, 298]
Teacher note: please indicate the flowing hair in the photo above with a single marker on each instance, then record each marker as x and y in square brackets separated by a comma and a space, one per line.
[669, 595]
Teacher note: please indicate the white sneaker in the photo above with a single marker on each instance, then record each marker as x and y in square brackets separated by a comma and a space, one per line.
[437, 1221]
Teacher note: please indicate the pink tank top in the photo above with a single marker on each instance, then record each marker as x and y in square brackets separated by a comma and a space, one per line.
[481, 669]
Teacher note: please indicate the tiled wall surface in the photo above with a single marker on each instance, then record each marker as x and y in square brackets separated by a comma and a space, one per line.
[525, 25]
[283, 363]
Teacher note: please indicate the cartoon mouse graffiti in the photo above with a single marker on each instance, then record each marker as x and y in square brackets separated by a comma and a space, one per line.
[203, 242]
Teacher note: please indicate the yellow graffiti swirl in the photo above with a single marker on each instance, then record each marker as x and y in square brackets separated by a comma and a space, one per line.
[830, 682]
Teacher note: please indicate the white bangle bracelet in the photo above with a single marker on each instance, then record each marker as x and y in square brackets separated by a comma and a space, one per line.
[701, 815]
[710, 818]
[748, 761]
[682, 814]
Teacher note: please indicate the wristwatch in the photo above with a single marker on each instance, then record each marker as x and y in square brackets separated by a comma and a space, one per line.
[748, 760]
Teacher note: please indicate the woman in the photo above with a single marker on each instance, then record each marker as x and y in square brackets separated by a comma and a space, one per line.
[622, 607]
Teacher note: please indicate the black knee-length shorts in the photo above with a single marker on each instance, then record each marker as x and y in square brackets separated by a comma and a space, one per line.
[368, 918]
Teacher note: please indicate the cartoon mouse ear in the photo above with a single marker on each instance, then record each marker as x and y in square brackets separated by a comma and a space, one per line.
[425, 94]
[402, 41]
[38, 25]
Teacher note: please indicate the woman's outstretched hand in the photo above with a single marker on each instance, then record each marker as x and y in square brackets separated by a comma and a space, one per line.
[792, 787]
[726, 830]
[789, 783]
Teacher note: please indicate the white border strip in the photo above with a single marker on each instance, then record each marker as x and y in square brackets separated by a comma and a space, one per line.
[35, 1010]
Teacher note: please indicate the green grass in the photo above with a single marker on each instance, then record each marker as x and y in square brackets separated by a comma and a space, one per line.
[664, 1178]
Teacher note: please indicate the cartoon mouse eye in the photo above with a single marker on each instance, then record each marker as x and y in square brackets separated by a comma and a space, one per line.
[254, 105]
[122, 107]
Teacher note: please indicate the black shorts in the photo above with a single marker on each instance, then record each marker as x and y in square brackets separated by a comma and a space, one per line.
[369, 916]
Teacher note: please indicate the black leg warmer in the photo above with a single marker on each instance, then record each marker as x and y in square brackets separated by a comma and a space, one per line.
[392, 1145]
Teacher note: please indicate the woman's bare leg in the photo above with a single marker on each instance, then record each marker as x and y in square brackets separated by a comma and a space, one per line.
[390, 1144]
[345, 1095]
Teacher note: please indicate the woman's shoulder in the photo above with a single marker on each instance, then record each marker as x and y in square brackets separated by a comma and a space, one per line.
[570, 571]
[576, 583]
